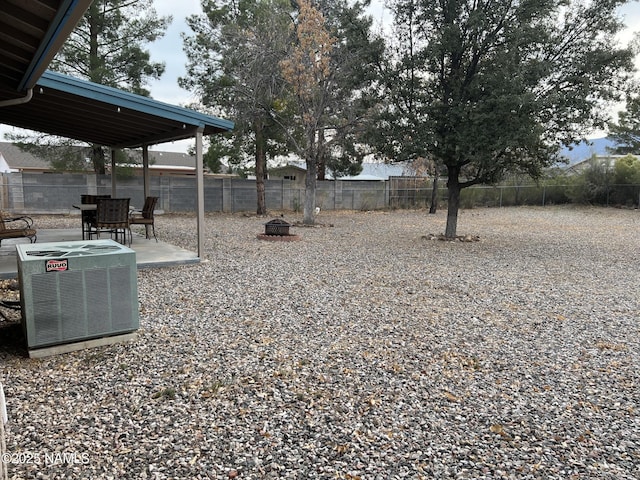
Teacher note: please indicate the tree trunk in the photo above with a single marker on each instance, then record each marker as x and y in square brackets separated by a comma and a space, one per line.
[322, 171]
[434, 194]
[309, 215]
[95, 62]
[453, 204]
[322, 160]
[261, 164]
[95, 75]
[97, 159]
[310, 182]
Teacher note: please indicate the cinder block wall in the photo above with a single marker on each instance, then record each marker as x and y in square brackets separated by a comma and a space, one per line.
[57, 193]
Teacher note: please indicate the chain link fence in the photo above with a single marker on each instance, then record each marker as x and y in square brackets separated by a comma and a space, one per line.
[411, 192]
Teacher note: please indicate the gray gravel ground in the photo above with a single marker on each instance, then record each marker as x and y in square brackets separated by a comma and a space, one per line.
[366, 350]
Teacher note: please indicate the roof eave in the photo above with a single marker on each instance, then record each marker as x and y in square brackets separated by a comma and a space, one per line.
[66, 19]
[123, 99]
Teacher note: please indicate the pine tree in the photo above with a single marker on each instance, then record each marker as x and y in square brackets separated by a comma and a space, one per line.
[500, 85]
[233, 61]
[106, 47]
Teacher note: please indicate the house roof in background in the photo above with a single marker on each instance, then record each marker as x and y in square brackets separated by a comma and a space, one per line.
[174, 159]
[18, 159]
[379, 171]
[370, 171]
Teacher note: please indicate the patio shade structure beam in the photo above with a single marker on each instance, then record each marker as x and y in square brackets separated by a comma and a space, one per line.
[200, 190]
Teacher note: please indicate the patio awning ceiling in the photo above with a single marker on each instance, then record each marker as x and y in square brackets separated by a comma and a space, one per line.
[31, 33]
[82, 110]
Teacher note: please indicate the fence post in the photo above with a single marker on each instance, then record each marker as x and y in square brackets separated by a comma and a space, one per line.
[544, 194]
[227, 195]
[337, 194]
[4, 197]
[16, 192]
[386, 194]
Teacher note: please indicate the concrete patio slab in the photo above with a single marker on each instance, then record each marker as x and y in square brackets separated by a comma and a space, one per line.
[149, 253]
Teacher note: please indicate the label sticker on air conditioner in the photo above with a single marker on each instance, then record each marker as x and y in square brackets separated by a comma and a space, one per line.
[56, 265]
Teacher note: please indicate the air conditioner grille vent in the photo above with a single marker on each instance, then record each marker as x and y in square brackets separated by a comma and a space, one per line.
[95, 297]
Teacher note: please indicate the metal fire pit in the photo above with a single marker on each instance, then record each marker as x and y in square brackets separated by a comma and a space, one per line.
[276, 227]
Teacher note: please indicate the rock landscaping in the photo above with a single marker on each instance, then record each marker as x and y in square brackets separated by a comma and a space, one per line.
[361, 351]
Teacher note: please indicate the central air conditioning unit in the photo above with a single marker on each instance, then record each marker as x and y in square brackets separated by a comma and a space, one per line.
[76, 291]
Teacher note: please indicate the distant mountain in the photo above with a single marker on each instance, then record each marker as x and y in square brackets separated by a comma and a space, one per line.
[585, 150]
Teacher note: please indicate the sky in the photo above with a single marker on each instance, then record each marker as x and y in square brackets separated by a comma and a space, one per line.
[169, 50]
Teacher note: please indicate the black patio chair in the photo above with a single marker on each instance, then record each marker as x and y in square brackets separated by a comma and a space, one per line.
[89, 216]
[112, 216]
[145, 217]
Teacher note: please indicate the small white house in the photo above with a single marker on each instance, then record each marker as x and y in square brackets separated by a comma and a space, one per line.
[4, 166]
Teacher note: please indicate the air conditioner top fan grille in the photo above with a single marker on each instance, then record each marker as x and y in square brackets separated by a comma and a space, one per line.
[71, 249]
[74, 250]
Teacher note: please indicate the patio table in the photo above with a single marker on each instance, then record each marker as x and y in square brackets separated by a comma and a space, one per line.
[86, 207]
[90, 207]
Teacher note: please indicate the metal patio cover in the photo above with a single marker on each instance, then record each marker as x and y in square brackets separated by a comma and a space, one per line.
[31, 33]
[70, 107]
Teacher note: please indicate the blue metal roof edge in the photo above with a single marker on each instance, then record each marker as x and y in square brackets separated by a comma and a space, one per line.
[132, 101]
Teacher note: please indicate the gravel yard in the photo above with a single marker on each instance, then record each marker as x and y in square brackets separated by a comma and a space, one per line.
[366, 350]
